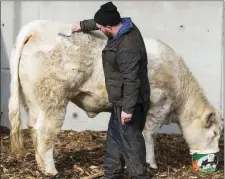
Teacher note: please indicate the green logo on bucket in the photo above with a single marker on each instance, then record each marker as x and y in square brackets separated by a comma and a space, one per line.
[206, 163]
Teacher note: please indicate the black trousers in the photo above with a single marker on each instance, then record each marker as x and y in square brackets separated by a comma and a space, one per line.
[125, 145]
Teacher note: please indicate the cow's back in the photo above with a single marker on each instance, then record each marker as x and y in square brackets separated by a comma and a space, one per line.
[166, 68]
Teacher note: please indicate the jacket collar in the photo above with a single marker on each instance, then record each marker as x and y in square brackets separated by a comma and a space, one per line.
[126, 27]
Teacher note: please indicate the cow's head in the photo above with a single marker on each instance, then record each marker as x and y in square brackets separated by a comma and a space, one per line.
[203, 131]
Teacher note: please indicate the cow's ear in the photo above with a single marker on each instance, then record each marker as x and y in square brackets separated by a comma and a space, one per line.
[209, 120]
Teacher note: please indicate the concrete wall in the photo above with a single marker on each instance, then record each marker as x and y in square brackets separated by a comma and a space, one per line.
[194, 29]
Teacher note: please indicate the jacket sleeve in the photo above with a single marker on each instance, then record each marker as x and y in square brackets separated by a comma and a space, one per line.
[88, 25]
[128, 64]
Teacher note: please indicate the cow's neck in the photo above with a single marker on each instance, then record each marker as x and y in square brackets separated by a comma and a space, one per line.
[192, 99]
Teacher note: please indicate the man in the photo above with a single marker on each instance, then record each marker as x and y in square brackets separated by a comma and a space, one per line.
[126, 79]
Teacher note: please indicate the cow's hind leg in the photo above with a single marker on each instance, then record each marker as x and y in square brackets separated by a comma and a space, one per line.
[149, 132]
[31, 126]
[159, 109]
[47, 128]
[33, 133]
[52, 97]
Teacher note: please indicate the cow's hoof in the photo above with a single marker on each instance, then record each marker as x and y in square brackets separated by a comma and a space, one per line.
[153, 165]
[51, 172]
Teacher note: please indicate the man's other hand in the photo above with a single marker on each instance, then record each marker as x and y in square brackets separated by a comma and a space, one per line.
[125, 118]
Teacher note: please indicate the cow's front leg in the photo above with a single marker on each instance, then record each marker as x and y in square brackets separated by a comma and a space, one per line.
[159, 110]
[149, 133]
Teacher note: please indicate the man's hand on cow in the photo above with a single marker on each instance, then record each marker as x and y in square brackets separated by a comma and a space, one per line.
[125, 118]
[76, 27]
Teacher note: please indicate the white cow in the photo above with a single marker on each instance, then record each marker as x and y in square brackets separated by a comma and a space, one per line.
[48, 71]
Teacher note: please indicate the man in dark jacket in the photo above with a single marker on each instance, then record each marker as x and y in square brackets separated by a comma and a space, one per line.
[126, 78]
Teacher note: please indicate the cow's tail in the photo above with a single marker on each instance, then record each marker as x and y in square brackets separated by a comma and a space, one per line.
[25, 33]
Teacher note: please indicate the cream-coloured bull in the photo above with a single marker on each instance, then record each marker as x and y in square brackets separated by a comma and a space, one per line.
[48, 71]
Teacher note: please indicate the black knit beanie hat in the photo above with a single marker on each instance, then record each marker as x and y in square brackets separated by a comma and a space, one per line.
[107, 15]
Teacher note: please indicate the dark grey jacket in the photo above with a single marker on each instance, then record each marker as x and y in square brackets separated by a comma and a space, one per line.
[125, 68]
